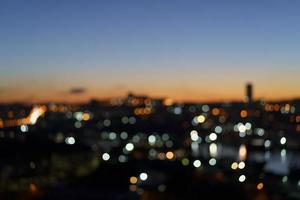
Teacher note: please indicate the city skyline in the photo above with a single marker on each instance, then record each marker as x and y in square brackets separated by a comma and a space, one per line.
[78, 91]
[200, 51]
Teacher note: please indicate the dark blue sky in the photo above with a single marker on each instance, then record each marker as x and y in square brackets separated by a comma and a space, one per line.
[170, 48]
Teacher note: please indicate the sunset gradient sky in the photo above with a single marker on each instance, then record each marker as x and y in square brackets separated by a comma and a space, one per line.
[186, 50]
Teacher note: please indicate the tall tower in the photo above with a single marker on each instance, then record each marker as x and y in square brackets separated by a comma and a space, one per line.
[249, 93]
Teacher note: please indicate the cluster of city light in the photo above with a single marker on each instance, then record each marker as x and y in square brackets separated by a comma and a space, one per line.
[128, 120]
[31, 119]
[284, 109]
[82, 116]
[154, 154]
[59, 108]
[154, 140]
[243, 129]
[135, 180]
[36, 113]
[240, 165]
[194, 135]
[142, 111]
[199, 119]
[211, 133]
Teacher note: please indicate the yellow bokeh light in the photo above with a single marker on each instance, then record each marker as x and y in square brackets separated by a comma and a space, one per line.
[244, 113]
[260, 186]
[170, 155]
[200, 118]
[168, 102]
[242, 152]
[85, 117]
[234, 165]
[216, 111]
[137, 111]
[133, 180]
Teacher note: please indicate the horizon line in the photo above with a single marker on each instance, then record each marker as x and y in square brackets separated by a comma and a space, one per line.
[235, 100]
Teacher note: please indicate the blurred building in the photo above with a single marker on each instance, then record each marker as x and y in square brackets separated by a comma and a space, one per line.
[249, 93]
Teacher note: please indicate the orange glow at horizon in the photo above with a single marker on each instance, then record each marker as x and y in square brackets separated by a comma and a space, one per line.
[178, 86]
[176, 95]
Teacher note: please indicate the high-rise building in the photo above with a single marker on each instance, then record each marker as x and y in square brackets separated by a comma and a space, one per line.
[249, 93]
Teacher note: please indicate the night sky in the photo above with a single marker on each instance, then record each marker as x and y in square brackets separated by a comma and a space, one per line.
[74, 50]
